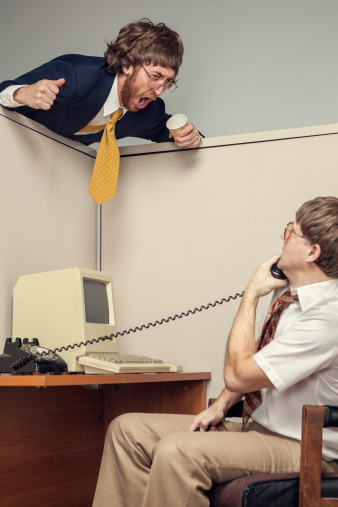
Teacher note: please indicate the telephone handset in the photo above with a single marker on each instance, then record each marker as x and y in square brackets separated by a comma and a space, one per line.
[28, 357]
[277, 272]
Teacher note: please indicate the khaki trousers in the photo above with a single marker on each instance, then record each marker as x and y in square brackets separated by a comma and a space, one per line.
[151, 460]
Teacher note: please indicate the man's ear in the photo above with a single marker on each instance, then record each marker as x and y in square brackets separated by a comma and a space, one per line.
[127, 70]
[314, 253]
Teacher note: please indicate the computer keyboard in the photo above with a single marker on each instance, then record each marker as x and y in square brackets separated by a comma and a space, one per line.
[122, 363]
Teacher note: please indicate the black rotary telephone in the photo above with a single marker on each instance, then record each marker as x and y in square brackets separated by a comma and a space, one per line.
[27, 356]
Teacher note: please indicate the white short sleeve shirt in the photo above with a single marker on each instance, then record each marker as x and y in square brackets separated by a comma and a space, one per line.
[302, 363]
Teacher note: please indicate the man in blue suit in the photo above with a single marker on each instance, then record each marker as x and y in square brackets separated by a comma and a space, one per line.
[73, 91]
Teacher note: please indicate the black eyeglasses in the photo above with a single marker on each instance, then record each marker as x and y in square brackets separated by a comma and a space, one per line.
[156, 82]
[288, 230]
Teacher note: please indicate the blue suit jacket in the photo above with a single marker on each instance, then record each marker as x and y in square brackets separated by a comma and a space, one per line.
[87, 86]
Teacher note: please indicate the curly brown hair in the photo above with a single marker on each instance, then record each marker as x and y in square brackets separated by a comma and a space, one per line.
[143, 42]
[318, 219]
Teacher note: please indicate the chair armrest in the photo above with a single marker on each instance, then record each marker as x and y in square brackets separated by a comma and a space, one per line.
[314, 419]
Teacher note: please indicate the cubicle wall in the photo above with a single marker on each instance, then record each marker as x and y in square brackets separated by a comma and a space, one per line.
[47, 218]
[189, 227]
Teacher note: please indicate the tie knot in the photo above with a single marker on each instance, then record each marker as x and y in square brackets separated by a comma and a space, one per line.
[287, 298]
[115, 116]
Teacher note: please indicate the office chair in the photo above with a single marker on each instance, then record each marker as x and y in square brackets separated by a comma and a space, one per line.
[306, 489]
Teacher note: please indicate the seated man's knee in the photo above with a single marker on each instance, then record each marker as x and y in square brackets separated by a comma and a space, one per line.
[172, 446]
[121, 424]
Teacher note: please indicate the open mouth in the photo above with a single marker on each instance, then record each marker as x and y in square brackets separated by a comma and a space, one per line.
[143, 102]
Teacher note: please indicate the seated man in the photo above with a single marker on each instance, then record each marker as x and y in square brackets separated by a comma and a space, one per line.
[151, 460]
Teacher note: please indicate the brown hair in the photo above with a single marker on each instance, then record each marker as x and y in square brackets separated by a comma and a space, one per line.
[318, 220]
[143, 42]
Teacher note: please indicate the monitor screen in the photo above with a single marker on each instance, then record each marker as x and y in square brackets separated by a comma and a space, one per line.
[96, 302]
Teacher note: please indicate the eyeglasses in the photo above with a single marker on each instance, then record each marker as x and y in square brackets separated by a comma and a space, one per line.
[156, 82]
[288, 230]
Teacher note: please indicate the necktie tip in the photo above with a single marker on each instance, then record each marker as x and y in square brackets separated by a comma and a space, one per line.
[101, 201]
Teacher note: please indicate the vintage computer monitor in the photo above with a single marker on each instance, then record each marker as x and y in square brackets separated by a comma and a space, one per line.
[65, 307]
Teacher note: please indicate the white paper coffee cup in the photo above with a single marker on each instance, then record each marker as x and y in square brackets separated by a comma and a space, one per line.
[176, 124]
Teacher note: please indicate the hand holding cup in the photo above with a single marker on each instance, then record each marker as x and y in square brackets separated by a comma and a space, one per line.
[179, 123]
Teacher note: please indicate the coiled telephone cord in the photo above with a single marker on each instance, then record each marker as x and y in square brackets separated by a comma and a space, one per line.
[150, 324]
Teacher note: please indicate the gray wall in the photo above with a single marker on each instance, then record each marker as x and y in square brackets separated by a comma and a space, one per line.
[249, 66]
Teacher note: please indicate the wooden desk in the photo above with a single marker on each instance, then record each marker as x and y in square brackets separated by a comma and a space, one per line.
[52, 428]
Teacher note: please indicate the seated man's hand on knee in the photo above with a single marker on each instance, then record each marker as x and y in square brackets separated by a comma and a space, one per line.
[208, 418]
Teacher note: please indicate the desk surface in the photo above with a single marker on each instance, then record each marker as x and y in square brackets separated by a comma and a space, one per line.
[83, 379]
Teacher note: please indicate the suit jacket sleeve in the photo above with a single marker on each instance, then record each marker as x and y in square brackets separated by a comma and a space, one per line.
[56, 117]
[52, 70]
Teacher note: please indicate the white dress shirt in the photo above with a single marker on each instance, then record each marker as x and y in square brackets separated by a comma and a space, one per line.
[6, 96]
[302, 363]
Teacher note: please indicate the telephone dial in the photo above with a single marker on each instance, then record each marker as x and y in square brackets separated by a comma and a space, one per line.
[26, 356]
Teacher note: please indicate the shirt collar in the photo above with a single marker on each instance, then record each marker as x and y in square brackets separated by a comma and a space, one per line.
[112, 103]
[310, 295]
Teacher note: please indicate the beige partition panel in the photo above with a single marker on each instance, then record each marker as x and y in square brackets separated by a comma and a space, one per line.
[47, 218]
[189, 227]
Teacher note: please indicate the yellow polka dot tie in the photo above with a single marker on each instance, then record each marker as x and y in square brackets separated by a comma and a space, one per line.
[105, 174]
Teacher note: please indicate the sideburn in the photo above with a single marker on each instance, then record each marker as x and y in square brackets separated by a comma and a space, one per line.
[126, 91]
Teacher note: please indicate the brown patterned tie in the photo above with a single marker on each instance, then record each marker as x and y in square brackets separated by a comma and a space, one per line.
[105, 174]
[254, 399]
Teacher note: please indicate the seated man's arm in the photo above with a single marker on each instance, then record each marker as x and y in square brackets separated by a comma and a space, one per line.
[241, 372]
